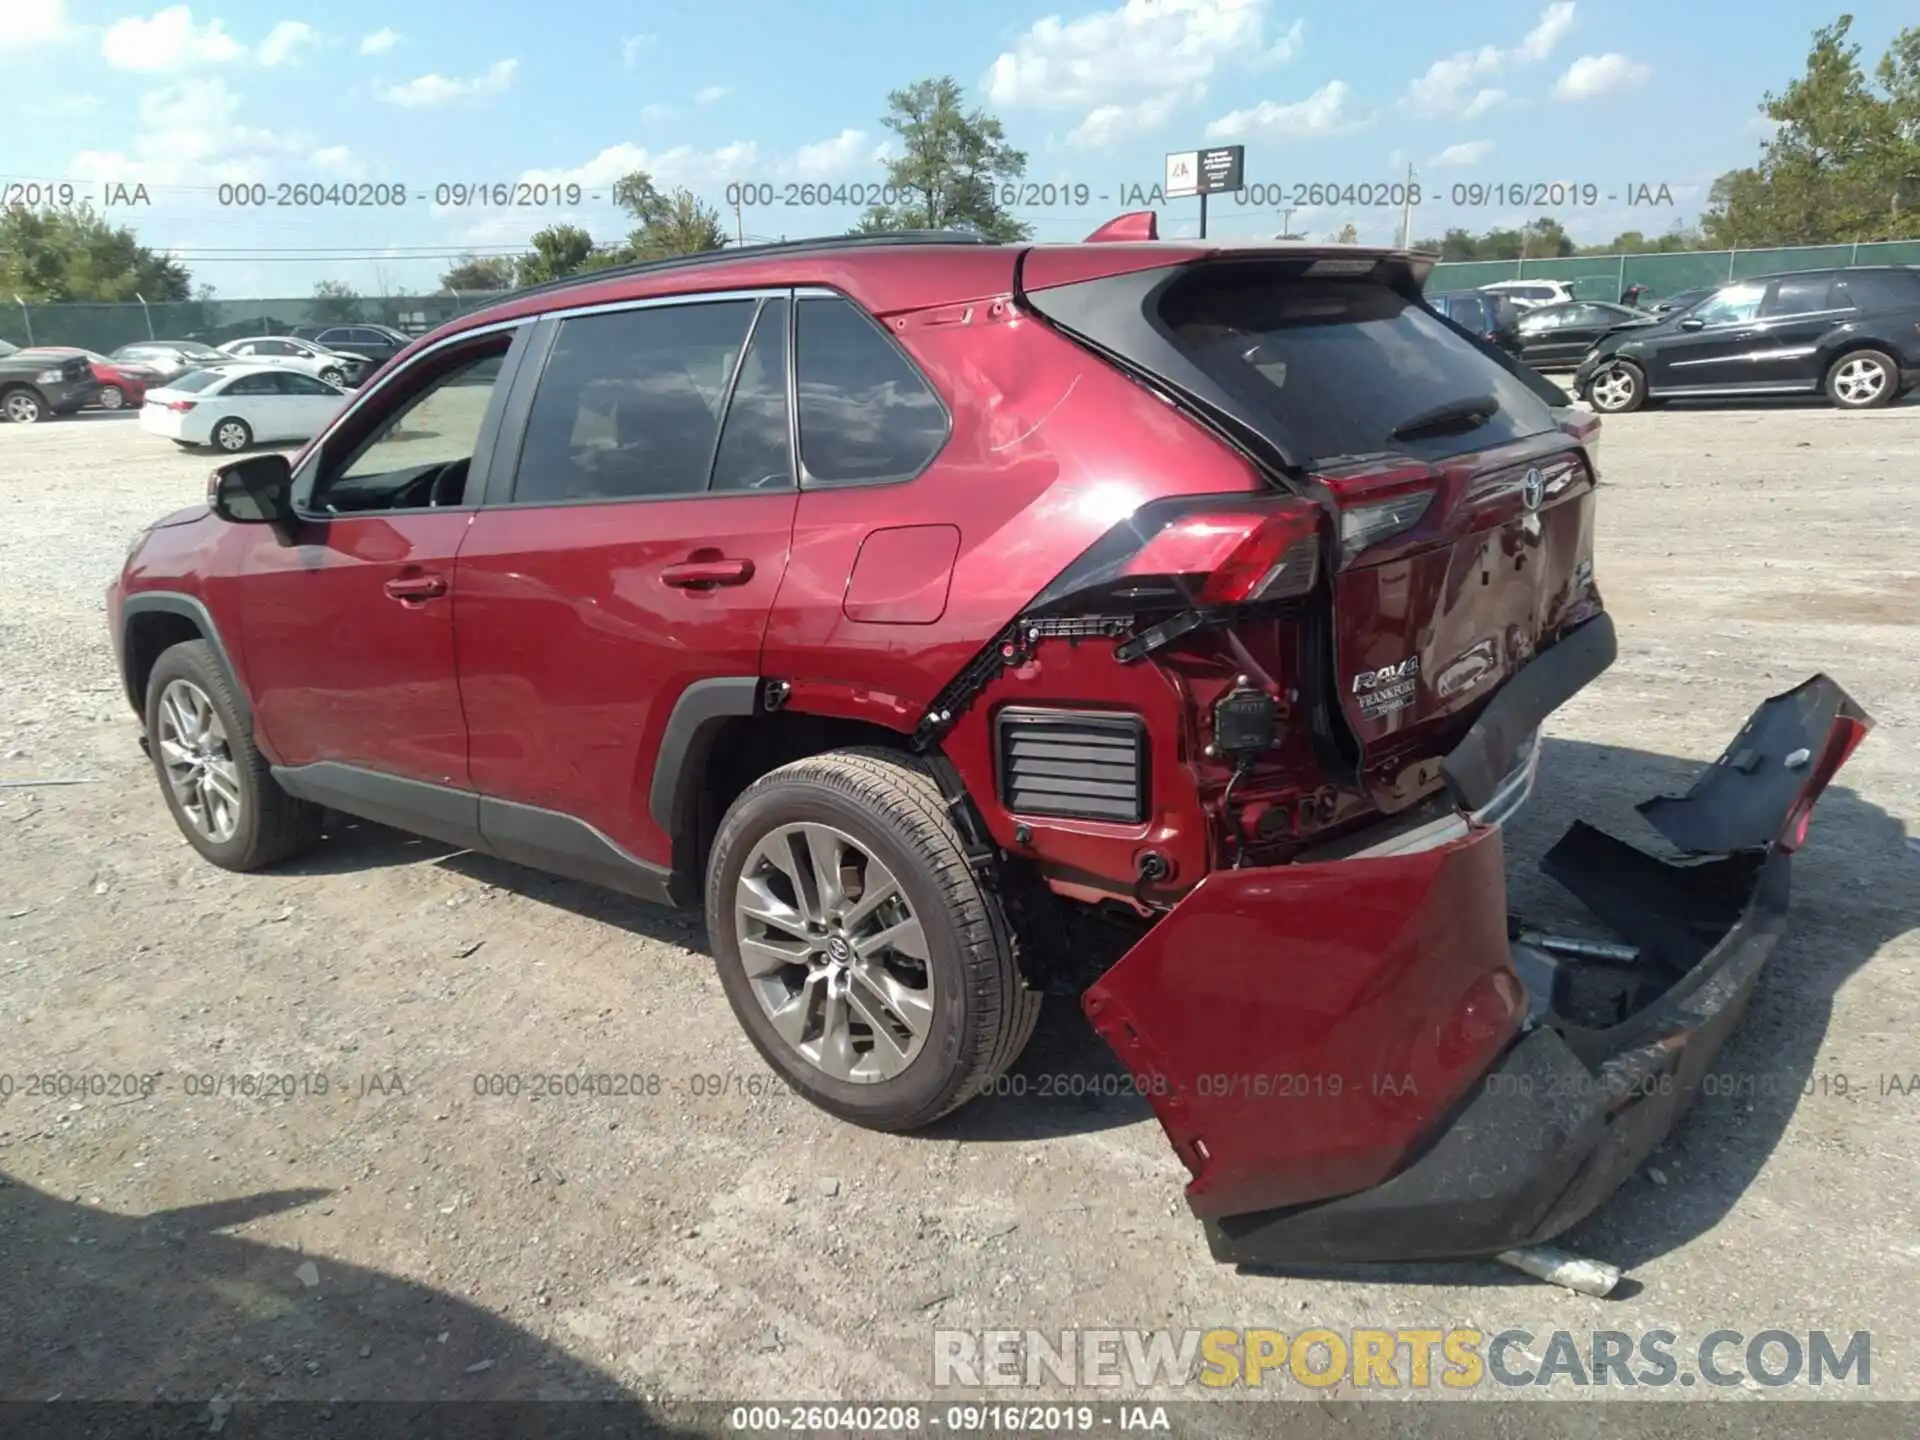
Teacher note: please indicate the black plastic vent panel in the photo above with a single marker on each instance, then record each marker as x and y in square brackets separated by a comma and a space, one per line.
[1073, 764]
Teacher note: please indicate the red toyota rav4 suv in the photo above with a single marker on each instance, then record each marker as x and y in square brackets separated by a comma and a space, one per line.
[1169, 624]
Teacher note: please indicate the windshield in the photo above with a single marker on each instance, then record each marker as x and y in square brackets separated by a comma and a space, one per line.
[1345, 364]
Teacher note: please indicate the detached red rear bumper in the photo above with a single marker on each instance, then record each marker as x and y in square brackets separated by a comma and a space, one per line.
[1345, 1055]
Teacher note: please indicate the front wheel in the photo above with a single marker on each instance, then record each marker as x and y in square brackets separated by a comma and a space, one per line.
[216, 782]
[113, 398]
[855, 942]
[1617, 388]
[332, 376]
[1863, 380]
[23, 407]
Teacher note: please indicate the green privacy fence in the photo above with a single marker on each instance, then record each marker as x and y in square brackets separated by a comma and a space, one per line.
[1594, 277]
[1604, 277]
[213, 322]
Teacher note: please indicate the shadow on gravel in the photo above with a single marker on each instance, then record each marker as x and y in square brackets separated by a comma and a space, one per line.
[165, 1308]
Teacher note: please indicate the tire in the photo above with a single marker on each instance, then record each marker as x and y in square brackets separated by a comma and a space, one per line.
[113, 398]
[23, 407]
[974, 1011]
[268, 825]
[231, 435]
[332, 376]
[1626, 386]
[1862, 380]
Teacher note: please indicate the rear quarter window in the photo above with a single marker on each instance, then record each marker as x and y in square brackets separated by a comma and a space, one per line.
[1341, 364]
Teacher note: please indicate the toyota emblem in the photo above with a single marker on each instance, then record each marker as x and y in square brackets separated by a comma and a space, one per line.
[1533, 490]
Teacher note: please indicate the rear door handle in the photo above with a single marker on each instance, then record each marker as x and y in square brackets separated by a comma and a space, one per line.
[416, 588]
[700, 574]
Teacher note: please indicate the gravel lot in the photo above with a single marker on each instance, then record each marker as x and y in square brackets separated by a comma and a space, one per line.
[401, 1236]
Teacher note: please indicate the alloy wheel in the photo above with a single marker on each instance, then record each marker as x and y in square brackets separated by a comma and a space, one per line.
[1859, 381]
[834, 953]
[112, 398]
[331, 376]
[199, 762]
[22, 408]
[1612, 389]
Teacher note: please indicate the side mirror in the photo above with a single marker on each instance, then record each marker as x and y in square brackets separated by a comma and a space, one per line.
[1692, 323]
[255, 491]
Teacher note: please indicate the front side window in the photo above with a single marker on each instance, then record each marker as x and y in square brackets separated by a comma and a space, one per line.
[1731, 305]
[426, 428]
[866, 415]
[292, 382]
[628, 406]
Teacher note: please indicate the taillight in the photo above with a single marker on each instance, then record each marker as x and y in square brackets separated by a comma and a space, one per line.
[1367, 525]
[181, 406]
[1206, 552]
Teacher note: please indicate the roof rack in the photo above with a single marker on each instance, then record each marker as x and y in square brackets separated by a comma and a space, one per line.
[752, 252]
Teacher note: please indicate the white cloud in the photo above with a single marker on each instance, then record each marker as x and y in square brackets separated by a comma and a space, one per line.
[430, 90]
[825, 159]
[168, 41]
[1325, 112]
[681, 165]
[1452, 85]
[1594, 75]
[630, 48]
[338, 160]
[1129, 68]
[712, 93]
[1467, 152]
[1764, 126]
[27, 23]
[190, 134]
[1106, 124]
[380, 41]
[283, 40]
[656, 112]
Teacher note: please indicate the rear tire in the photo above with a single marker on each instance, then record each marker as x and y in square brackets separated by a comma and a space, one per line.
[1617, 388]
[930, 1006]
[216, 782]
[1863, 380]
[232, 435]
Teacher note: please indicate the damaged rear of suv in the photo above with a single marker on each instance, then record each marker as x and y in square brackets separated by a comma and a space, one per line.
[1169, 625]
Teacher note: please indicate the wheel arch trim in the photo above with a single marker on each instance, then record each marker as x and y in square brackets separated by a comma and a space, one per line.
[191, 607]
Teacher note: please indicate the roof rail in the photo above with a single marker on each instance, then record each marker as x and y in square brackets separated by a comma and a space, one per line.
[821, 243]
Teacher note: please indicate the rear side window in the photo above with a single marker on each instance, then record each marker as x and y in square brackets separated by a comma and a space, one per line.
[1341, 364]
[866, 415]
[252, 385]
[1801, 295]
[756, 450]
[629, 403]
[195, 381]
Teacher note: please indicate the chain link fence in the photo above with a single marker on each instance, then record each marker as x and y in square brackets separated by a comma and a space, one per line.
[1606, 277]
[1595, 277]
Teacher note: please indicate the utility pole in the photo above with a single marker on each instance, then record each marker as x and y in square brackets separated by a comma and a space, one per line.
[1286, 222]
[1406, 214]
[1203, 214]
[739, 225]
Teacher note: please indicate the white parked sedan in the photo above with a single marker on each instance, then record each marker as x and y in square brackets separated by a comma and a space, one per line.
[303, 356]
[233, 406]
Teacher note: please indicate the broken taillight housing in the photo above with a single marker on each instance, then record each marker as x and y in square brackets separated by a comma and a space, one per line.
[1367, 525]
[1196, 552]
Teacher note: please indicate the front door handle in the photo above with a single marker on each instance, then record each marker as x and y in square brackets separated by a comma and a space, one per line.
[415, 588]
[702, 574]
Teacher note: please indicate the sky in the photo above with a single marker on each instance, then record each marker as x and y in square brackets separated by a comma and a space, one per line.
[1590, 107]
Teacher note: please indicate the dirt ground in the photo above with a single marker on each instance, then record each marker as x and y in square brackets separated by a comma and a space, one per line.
[403, 1235]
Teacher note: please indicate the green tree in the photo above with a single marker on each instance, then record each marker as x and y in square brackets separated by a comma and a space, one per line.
[952, 161]
[675, 222]
[335, 303]
[71, 253]
[470, 272]
[1844, 161]
[558, 251]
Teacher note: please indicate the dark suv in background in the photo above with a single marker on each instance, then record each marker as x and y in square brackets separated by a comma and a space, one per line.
[1852, 333]
[376, 343]
[35, 385]
[1167, 625]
